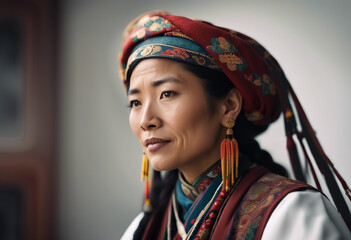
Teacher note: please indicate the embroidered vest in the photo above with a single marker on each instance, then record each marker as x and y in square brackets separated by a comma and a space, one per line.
[247, 209]
[255, 207]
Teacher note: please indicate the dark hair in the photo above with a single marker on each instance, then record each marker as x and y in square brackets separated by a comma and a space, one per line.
[217, 86]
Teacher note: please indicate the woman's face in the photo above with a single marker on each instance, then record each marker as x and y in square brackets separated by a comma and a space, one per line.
[171, 117]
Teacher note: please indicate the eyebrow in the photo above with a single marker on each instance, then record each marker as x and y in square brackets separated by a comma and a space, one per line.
[155, 84]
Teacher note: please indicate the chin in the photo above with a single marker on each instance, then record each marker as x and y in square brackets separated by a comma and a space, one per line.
[161, 165]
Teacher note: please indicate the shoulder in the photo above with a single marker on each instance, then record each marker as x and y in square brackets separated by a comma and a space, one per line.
[250, 204]
[276, 207]
[260, 200]
[128, 234]
[306, 214]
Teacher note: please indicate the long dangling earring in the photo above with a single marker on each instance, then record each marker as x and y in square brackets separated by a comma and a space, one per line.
[229, 157]
[145, 176]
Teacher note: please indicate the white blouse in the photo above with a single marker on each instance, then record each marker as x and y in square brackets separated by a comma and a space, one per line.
[300, 215]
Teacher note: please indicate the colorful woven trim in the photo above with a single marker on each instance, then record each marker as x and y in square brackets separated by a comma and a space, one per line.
[192, 191]
[176, 48]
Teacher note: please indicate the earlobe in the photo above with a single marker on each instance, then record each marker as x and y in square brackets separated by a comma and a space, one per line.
[232, 104]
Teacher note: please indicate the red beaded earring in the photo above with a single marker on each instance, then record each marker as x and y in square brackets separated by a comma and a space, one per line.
[229, 157]
[145, 176]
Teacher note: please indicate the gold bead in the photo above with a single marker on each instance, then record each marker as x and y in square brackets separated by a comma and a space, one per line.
[230, 123]
[288, 113]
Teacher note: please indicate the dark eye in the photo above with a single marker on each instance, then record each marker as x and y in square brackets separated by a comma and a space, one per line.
[167, 94]
[134, 103]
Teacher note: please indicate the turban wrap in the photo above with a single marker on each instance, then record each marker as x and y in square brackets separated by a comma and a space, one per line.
[250, 67]
[246, 63]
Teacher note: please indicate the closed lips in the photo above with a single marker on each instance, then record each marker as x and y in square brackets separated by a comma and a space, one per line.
[154, 141]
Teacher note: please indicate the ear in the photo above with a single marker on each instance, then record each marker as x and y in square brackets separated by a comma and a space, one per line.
[231, 105]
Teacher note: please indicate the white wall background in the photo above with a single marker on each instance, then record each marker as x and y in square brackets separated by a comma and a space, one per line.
[100, 191]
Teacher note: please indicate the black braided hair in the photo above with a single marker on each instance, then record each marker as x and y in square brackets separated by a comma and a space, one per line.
[217, 86]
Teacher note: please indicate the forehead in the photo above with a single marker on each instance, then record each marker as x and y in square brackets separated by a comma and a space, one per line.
[156, 66]
[154, 69]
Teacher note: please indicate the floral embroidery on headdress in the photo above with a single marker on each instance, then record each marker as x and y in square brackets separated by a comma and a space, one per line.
[221, 45]
[151, 24]
[226, 53]
[150, 50]
[176, 52]
[199, 60]
[263, 81]
[233, 62]
[266, 84]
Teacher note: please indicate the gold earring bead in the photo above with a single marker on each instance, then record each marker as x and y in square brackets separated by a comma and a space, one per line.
[229, 125]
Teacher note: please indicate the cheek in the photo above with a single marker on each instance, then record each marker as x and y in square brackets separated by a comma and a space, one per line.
[191, 120]
[134, 123]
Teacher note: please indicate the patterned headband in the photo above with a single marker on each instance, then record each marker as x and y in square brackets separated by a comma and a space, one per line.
[180, 49]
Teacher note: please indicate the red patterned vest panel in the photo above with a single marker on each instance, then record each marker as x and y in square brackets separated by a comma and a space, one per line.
[256, 206]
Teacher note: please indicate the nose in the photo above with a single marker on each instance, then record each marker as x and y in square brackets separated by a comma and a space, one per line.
[150, 119]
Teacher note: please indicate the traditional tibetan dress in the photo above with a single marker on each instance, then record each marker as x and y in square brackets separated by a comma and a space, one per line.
[260, 205]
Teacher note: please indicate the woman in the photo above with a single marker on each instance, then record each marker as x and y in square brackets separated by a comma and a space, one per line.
[199, 94]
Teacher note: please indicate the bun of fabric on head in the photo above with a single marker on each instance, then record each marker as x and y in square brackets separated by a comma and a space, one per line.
[253, 71]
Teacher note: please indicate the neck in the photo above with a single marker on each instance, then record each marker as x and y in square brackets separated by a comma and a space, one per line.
[190, 174]
[192, 191]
